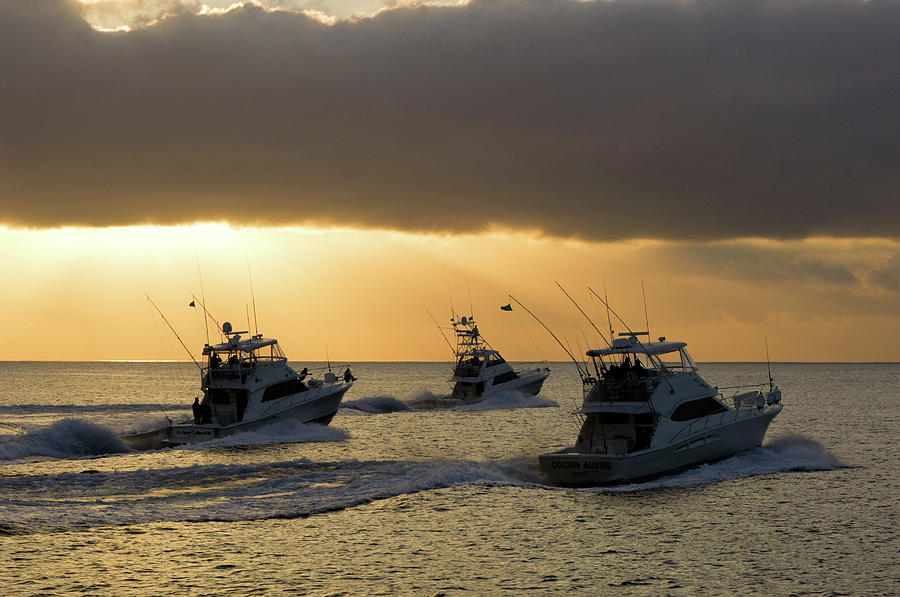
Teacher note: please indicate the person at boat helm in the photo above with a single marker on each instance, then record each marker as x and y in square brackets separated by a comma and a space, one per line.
[626, 365]
[638, 368]
[215, 360]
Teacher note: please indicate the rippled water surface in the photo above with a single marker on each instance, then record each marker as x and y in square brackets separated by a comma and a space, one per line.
[391, 500]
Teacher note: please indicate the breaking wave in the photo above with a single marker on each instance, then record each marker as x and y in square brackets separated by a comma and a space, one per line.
[377, 405]
[784, 454]
[510, 399]
[277, 432]
[68, 438]
[499, 401]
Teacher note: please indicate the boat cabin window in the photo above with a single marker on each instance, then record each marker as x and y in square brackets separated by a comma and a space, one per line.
[284, 388]
[694, 409]
[678, 361]
[494, 359]
[505, 377]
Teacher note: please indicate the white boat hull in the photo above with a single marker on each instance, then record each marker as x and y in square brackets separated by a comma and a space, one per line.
[320, 408]
[572, 469]
[528, 384]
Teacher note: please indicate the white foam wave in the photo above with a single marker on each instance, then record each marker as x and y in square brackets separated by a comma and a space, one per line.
[68, 438]
[376, 405]
[276, 432]
[510, 399]
[784, 454]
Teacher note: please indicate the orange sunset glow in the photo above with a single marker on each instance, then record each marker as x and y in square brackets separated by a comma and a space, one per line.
[79, 293]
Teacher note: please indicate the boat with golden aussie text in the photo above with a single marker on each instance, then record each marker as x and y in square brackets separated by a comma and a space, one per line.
[648, 412]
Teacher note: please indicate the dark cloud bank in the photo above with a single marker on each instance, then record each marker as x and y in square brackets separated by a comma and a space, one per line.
[609, 120]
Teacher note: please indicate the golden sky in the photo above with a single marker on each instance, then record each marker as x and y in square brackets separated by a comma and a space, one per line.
[78, 293]
[371, 159]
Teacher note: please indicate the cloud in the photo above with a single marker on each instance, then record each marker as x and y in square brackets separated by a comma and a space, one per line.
[609, 120]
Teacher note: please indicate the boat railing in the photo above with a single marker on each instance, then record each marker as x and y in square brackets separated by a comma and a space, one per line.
[239, 369]
[745, 405]
[742, 397]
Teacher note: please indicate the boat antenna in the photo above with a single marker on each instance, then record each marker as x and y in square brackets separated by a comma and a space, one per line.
[440, 330]
[583, 313]
[646, 319]
[581, 373]
[252, 298]
[471, 308]
[768, 364]
[247, 309]
[327, 358]
[174, 332]
[202, 302]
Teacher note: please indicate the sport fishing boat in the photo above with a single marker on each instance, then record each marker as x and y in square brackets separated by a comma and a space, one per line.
[648, 412]
[247, 383]
[480, 371]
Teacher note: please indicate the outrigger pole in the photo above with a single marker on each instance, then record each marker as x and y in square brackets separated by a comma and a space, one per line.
[582, 374]
[208, 314]
[585, 314]
[174, 332]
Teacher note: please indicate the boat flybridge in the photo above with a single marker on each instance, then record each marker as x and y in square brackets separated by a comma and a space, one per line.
[247, 383]
[480, 371]
[648, 412]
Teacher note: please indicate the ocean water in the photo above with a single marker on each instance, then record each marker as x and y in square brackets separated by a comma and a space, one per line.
[391, 500]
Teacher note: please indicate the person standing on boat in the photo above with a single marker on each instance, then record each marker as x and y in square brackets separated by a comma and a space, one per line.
[197, 410]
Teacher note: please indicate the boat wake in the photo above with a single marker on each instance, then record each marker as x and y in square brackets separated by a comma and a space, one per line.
[376, 405]
[286, 431]
[784, 454]
[510, 399]
[425, 400]
[231, 493]
[68, 438]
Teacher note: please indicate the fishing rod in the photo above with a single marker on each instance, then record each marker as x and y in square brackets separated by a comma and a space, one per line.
[437, 325]
[582, 374]
[610, 310]
[650, 357]
[646, 318]
[583, 313]
[208, 314]
[768, 365]
[174, 332]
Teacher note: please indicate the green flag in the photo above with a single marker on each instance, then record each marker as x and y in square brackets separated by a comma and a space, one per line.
[506, 307]
[192, 304]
